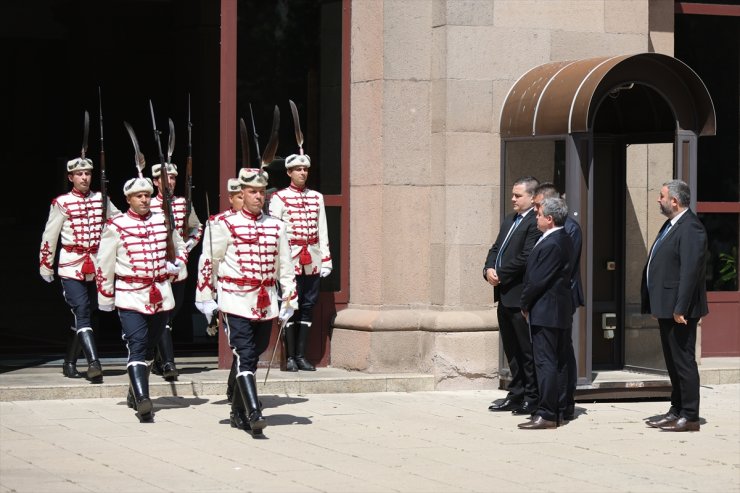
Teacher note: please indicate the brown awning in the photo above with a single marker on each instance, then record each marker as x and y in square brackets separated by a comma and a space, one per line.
[560, 98]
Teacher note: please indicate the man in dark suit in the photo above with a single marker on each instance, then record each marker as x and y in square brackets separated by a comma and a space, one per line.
[546, 304]
[674, 292]
[504, 270]
[573, 229]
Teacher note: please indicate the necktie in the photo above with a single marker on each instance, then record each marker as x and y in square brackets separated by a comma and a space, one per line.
[663, 233]
[506, 240]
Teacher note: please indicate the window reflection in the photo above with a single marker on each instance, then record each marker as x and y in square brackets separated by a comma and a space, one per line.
[722, 231]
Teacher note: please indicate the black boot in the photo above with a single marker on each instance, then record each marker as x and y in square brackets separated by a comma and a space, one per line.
[69, 367]
[139, 392]
[290, 363]
[248, 393]
[231, 381]
[238, 416]
[300, 357]
[94, 370]
[167, 355]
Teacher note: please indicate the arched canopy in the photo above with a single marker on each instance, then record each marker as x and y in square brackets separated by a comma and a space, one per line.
[561, 98]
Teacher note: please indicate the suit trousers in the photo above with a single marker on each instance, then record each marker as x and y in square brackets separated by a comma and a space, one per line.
[517, 343]
[247, 339]
[550, 359]
[679, 351]
[569, 376]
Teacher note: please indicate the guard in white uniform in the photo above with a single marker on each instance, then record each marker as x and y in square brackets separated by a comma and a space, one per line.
[135, 277]
[78, 217]
[164, 361]
[302, 211]
[252, 255]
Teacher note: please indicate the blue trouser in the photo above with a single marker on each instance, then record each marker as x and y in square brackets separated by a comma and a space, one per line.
[550, 358]
[307, 289]
[141, 333]
[178, 291]
[82, 298]
[247, 339]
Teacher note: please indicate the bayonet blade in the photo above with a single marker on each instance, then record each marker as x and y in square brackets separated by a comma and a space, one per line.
[245, 143]
[138, 156]
[85, 133]
[297, 125]
[269, 155]
[254, 132]
[171, 141]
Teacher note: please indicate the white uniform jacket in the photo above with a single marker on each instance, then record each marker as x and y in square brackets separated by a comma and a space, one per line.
[194, 229]
[131, 263]
[303, 213]
[251, 254]
[79, 220]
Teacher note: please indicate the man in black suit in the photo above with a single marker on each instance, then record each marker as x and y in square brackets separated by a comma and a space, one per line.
[504, 270]
[674, 292]
[573, 229]
[546, 304]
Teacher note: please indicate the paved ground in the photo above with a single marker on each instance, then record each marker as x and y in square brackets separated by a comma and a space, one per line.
[364, 442]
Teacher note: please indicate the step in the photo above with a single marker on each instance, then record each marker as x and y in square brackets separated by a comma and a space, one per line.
[198, 376]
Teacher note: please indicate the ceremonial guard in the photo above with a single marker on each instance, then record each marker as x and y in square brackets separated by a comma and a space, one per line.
[78, 217]
[164, 363]
[252, 256]
[302, 211]
[135, 269]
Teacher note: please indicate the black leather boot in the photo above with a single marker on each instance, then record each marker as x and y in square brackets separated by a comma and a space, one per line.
[69, 367]
[248, 393]
[238, 416]
[290, 362]
[300, 357]
[167, 355]
[139, 392]
[231, 381]
[87, 341]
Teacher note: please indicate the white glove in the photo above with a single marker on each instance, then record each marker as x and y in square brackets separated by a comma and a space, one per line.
[189, 244]
[47, 277]
[173, 268]
[285, 313]
[207, 308]
[106, 308]
[325, 271]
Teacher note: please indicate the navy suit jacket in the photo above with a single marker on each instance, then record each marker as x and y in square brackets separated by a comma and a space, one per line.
[546, 293]
[574, 231]
[677, 272]
[513, 258]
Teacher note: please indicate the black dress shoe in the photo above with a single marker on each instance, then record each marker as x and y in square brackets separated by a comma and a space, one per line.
[681, 424]
[505, 405]
[526, 408]
[538, 423]
[667, 418]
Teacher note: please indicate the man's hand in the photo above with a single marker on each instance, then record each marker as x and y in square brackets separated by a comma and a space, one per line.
[189, 244]
[47, 277]
[107, 308]
[492, 277]
[173, 268]
[286, 313]
[325, 271]
[679, 319]
[207, 308]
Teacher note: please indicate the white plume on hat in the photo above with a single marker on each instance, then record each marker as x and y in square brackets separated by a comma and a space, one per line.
[233, 185]
[79, 164]
[252, 177]
[297, 160]
[157, 170]
[137, 185]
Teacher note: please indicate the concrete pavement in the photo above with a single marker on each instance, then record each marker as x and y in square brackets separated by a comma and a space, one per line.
[424, 441]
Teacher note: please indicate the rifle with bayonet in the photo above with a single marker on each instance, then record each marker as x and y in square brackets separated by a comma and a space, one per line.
[164, 181]
[103, 177]
[188, 177]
